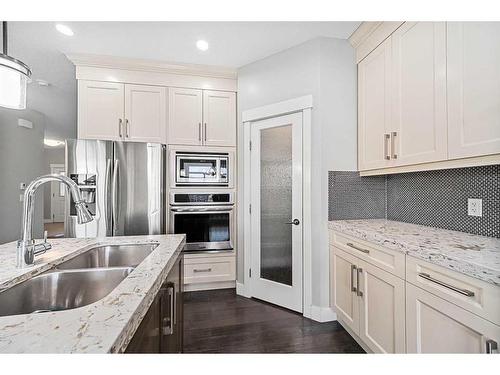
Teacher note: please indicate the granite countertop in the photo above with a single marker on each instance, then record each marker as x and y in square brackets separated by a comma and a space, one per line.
[105, 326]
[472, 255]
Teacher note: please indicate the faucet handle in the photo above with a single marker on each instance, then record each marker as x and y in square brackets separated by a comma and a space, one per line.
[45, 233]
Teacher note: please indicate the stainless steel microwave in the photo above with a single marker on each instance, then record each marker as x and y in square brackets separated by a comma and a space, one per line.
[202, 169]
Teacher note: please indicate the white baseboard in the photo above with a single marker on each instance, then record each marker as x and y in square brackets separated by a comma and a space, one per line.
[321, 314]
[242, 290]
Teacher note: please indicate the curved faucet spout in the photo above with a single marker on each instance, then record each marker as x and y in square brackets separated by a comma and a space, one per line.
[26, 245]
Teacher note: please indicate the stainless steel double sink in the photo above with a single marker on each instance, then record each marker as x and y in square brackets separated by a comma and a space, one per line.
[80, 281]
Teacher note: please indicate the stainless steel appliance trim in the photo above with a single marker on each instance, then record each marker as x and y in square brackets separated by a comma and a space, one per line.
[174, 203]
[201, 209]
[358, 248]
[461, 291]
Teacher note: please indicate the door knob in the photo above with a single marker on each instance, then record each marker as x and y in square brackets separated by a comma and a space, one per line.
[294, 222]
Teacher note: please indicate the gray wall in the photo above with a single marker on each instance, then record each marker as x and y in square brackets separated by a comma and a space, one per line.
[52, 156]
[324, 68]
[21, 160]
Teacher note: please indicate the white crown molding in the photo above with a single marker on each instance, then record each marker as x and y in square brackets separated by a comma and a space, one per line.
[113, 62]
[362, 32]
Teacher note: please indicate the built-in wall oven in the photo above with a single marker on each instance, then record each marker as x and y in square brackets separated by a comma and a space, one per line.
[207, 219]
[202, 169]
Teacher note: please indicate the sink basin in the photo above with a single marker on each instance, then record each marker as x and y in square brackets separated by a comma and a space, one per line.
[61, 290]
[110, 256]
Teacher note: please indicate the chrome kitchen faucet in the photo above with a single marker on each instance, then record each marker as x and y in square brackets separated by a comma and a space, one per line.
[26, 247]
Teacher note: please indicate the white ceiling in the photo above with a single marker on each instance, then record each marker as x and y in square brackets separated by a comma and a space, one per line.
[232, 44]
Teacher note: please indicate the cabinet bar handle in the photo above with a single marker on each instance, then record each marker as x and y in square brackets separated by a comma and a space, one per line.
[199, 131]
[203, 270]
[359, 292]
[387, 155]
[463, 292]
[358, 248]
[353, 288]
[491, 347]
[393, 145]
[205, 131]
[126, 128]
[120, 127]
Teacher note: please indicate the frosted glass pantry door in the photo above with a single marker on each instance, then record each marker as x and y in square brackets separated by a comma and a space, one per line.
[276, 184]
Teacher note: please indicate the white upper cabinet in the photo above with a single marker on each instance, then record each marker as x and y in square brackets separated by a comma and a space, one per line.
[185, 116]
[145, 113]
[100, 110]
[121, 112]
[473, 88]
[219, 118]
[374, 108]
[418, 129]
[202, 117]
[440, 83]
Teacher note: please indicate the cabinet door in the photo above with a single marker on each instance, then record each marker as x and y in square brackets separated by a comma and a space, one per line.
[382, 309]
[219, 118]
[185, 116]
[473, 89]
[374, 108]
[100, 110]
[145, 113]
[434, 325]
[418, 131]
[343, 287]
[147, 338]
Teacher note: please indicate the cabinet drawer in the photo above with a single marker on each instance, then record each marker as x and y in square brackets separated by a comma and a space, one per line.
[473, 295]
[388, 260]
[209, 269]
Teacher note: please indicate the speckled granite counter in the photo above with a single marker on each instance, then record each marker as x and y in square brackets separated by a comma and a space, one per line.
[472, 255]
[102, 327]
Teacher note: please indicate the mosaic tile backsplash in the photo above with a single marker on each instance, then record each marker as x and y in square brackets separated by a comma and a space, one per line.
[432, 198]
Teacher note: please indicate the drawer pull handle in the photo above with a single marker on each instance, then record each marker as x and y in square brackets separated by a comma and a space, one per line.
[358, 248]
[353, 268]
[203, 270]
[463, 292]
[491, 347]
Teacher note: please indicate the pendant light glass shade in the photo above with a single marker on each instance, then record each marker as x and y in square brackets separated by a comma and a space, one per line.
[14, 78]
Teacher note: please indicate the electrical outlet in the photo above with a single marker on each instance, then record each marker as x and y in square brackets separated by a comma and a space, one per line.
[475, 207]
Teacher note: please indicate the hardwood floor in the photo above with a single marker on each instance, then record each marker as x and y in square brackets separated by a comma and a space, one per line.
[219, 321]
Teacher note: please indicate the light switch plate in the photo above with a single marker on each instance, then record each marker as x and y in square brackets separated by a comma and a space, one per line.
[474, 207]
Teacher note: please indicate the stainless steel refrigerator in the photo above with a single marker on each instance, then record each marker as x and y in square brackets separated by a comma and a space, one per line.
[123, 184]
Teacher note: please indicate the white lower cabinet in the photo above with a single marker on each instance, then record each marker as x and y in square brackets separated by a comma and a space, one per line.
[434, 325]
[370, 301]
[409, 305]
[382, 309]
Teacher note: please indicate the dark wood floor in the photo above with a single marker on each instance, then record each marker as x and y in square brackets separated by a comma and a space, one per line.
[221, 322]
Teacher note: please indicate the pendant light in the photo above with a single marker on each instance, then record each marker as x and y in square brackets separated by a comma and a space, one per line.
[14, 77]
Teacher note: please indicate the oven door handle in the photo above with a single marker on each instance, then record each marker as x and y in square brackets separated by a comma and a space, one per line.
[202, 209]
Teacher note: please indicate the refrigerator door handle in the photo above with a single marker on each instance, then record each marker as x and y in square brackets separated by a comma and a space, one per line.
[107, 187]
[114, 197]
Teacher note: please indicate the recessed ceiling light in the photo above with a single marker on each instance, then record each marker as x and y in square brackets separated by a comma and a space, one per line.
[63, 29]
[202, 45]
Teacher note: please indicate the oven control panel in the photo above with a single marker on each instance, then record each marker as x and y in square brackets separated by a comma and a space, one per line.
[201, 198]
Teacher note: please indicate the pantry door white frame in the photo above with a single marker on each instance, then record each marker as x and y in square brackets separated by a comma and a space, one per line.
[57, 195]
[302, 105]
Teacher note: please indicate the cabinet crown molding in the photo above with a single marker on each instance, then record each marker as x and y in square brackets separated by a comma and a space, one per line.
[362, 32]
[142, 65]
